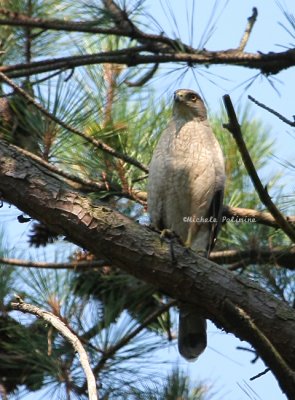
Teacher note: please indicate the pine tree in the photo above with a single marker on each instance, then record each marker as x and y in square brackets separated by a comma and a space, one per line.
[97, 134]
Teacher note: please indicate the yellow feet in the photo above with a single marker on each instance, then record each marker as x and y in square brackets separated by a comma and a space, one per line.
[167, 234]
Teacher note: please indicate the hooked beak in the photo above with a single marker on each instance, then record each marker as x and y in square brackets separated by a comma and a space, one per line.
[178, 96]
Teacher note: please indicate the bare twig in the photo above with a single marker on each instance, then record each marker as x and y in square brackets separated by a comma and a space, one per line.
[234, 127]
[280, 116]
[236, 258]
[281, 257]
[97, 143]
[75, 265]
[260, 374]
[260, 217]
[66, 333]
[285, 376]
[249, 27]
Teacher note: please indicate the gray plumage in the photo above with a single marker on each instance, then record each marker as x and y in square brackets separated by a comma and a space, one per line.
[185, 187]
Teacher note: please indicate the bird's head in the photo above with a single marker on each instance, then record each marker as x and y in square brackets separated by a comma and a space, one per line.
[188, 104]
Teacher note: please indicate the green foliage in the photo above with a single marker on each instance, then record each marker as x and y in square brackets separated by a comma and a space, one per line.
[117, 292]
[21, 44]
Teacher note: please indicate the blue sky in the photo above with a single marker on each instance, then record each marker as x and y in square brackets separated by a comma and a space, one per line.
[222, 365]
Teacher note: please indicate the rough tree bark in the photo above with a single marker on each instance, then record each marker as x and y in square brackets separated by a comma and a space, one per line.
[230, 301]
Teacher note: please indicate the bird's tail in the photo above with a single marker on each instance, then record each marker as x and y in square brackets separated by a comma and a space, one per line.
[192, 337]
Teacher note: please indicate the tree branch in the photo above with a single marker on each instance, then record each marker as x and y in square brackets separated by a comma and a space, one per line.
[75, 265]
[138, 250]
[233, 214]
[235, 129]
[67, 334]
[280, 116]
[248, 30]
[124, 27]
[270, 63]
[261, 217]
[163, 48]
[283, 257]
[84, 184]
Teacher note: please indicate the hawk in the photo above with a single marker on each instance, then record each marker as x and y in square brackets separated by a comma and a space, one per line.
[185, 195]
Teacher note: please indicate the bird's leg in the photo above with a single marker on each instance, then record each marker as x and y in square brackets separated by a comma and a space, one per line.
[169, 234]
[192, 232]
[189, 239]
[166, 234]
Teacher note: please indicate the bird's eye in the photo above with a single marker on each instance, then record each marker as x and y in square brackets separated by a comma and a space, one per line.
[193, 97]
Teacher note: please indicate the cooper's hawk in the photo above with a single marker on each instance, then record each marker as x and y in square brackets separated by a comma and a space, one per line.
[185, 189]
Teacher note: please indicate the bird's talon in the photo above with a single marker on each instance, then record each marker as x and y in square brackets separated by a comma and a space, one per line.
[166, 234]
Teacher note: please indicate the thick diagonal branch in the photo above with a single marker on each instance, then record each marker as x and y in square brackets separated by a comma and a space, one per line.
[234, 127]
[139, 251]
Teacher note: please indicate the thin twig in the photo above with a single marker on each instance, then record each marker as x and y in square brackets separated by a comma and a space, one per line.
[234, 127]
[85, 184]
[249, 27]
[97, 143]
[260, 217]
[280, 116]
[75, 265]
[285, 376]
[260, 374]
[253, 351]
[280, 257]
[66, 333]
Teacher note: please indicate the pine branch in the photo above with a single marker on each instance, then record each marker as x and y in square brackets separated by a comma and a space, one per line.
[96, 143]
[67, 334]
[268, 64]
[85, 184]
[234, 128]
[124, 27]
[163, 48]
